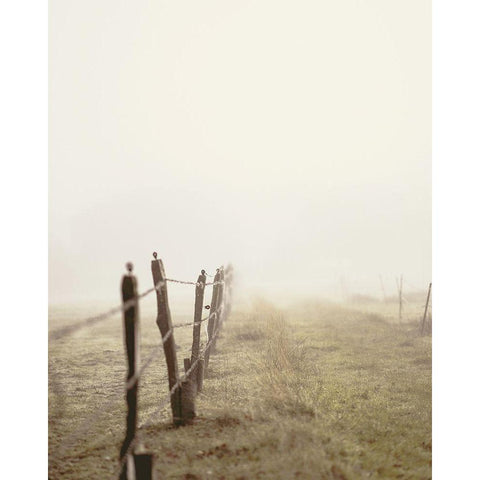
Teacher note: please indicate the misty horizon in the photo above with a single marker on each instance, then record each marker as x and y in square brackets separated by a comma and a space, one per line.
[291, 140]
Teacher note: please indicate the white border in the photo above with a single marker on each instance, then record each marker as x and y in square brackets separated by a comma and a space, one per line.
[456, 129]
[23, 145]
[23, 122]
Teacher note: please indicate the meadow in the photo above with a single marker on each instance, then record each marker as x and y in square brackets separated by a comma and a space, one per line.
[311, 391]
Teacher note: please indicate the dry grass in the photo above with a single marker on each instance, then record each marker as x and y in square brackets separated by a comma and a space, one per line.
[315, 392]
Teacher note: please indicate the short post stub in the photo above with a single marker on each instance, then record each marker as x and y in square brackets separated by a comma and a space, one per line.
[130, 304]
[164, 323]
[200, 373]
[144, 463]
[188, 391]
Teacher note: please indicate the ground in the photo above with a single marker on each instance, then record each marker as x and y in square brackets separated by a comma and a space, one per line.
[312, 391]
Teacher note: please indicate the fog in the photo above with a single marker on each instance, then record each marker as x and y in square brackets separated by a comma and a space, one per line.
[291, 138]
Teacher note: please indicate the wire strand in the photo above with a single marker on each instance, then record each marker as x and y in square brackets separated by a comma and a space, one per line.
[167, 399]
[89, 321]
[72, 438]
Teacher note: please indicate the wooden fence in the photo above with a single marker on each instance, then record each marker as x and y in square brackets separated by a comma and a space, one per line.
[182, 389]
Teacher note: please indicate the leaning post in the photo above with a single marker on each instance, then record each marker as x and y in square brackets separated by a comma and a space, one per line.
[426, 306]
[164, 323]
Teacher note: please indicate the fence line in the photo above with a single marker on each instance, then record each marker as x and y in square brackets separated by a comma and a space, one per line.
[423, 309]
[70, 441]
[184, 282]
[185, 376]
[426, 307]
[182, 389]
[178, 394]
[158, 348]
[73, 437]
[164, 404]
[89, 321]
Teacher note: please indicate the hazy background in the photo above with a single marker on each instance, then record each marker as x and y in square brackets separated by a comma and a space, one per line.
[291, 138]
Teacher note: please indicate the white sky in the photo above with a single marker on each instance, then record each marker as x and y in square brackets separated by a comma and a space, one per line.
[291, 138]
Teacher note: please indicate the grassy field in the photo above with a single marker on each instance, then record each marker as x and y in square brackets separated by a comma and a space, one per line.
[314, 391]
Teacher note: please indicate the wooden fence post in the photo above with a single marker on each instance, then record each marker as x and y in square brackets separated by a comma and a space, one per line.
[130, 303]
[228, 289]
[183, 398]
[144, 466]
[212, 318]
[426, 306]
[197, 375]
[164, 323]
[220, 307]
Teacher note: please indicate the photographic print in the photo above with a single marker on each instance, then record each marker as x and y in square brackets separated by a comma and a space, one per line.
[240, 214]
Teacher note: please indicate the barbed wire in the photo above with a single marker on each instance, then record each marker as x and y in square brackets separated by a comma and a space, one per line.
[69, 329]
[187, 373]
[189, 324]
[183, 282]
[154, 354]
[89, 321]
[72, 439]
[197, 284]
[167, 399]
[158, 350]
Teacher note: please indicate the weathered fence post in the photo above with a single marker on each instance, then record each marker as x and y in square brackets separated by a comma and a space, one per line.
[164, 323]
[220, 307]
[187, 399]
[130, 323]
[426, 306]
[144, 466]
[197, 375]
[212, 318]
[228, 290]
[183, 408]
[134, 466]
